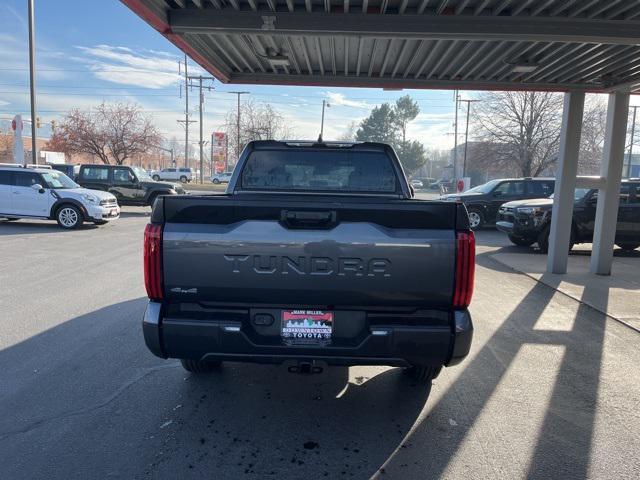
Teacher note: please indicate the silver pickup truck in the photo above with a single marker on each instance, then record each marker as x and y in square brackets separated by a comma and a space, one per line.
[317, 255]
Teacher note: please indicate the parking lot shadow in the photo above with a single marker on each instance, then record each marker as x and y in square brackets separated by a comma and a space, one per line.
[87, 400]
[559, 440]
[25, 227]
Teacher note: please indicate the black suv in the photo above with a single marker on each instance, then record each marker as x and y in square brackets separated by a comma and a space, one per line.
[483, 201]
[529, 221]
[130, 185]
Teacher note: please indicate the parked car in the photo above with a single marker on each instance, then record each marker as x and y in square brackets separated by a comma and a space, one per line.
[415, 183]
[347, 268]
[69, 170]
[221, 178]
[130, 185]
[529, 221]
[48, 193]
[441, 185]
[184, 175]
[483, 201]
[426, 181]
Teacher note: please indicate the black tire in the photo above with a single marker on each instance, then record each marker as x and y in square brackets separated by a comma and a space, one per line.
[183, 179]
[521, 242]
[215, 181]
[476, 218]
[543, 240]
[69, 216]
[628, 246]
[156, 177]
[422, 374]
[197, 366]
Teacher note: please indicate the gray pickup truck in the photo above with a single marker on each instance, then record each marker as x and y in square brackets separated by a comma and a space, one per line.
[317, 254]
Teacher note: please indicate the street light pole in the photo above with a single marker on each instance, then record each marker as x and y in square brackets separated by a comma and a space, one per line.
[32, 82]
[633, 132]
[322, 122]
[201, 139]
[238, 122]
[186, 113]
[455, 141]
[466, 137]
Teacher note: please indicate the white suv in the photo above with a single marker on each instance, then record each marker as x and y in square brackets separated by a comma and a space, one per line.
[46, 193]
[220, 178]
[183, 174]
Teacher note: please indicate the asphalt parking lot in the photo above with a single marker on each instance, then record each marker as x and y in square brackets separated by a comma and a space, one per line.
[550, 390]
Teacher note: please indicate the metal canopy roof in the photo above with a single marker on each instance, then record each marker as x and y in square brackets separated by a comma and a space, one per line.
[591, 45]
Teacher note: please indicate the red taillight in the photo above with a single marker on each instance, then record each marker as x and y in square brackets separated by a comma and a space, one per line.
[465, 269]
[153, 261]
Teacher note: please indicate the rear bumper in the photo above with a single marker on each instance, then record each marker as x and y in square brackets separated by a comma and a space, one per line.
[394, 345]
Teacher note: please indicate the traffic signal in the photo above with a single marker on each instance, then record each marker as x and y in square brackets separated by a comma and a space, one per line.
[37, 122]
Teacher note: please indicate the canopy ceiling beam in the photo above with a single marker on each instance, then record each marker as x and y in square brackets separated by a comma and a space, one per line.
[536, 29]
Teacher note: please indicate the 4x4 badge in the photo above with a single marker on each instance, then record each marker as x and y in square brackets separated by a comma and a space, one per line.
[184, 290]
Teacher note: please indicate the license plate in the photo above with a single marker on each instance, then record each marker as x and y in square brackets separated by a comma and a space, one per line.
[306, 327]
[114, 212]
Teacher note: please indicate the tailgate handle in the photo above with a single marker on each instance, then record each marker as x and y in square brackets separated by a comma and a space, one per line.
[301, 219]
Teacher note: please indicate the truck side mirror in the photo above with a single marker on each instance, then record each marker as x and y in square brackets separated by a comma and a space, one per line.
[497, 193]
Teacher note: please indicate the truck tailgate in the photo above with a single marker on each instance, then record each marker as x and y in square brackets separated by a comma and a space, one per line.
[325, 251]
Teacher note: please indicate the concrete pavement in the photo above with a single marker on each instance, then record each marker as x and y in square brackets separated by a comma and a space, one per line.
[550, 389]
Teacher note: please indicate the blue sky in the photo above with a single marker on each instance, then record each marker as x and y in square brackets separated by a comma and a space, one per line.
[90, 51]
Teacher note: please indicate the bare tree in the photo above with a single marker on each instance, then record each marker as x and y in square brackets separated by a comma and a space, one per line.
[594, 122]
[258, 121]
[112, 132]
[523, 126]
[349, 134]
[6, 145]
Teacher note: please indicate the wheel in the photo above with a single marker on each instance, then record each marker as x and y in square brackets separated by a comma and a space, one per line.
[422, 374]
[183, 179]
[69, 217]
[543, 240]
[475, 218]
[628, 246]
[215, 181]
[156, 177]
[521, 242]
[197, 366]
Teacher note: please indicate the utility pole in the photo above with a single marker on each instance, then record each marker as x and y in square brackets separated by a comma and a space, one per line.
[633, 132]
[32, 82]
[466, 136]
[238, 122]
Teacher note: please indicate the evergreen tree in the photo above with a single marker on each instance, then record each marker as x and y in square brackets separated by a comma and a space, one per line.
[388, 123]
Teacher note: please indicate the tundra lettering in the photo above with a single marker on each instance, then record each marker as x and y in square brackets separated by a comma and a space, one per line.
[284, 265]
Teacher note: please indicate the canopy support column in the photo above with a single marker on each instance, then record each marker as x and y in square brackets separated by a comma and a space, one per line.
[609, 197]
[562, 212]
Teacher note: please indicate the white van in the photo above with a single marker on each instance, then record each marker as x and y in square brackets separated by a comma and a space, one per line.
[50, 194]
[183, 174]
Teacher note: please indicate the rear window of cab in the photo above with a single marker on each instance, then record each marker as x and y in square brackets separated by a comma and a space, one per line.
[322, 171]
